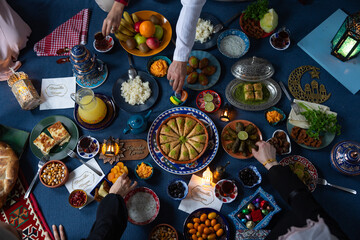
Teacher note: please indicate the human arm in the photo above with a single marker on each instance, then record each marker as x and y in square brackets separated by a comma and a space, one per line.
[293, 191]
[112, 21]
[111, 216]
[185, 32]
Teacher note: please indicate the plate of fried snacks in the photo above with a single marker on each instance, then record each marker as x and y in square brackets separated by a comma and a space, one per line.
[238, 138]
[203, 71]
[53, 136]
[303, 168]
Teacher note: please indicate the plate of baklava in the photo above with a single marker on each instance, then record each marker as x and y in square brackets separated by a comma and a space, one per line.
[54, 136]
[253, 96]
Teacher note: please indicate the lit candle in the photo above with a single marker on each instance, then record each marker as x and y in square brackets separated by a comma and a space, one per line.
[207, 177]
[110, 148]
[225, 113]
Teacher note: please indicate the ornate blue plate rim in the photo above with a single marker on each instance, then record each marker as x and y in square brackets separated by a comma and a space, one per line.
[102, 77]
[183, 169]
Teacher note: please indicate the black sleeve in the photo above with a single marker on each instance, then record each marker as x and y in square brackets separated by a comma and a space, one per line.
[300, 198]
[111, 219]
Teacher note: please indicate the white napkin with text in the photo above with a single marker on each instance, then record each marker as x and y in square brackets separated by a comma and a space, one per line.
[84, 178]
[199, 196]
[55, 93]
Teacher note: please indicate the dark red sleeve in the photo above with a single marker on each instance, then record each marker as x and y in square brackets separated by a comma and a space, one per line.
[125, 2]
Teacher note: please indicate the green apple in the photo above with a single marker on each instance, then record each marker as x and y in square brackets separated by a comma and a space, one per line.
[269, 21]
[159, 32]
[139, 39]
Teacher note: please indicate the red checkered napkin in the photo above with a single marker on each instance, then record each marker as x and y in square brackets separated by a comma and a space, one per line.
[71, 33]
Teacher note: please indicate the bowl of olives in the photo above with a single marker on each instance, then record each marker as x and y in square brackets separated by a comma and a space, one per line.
[177, 189]
[249, 176]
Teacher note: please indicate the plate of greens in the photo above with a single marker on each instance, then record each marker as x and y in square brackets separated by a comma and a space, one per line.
[252, 96]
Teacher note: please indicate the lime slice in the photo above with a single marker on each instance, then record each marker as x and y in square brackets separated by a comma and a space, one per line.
[242, 135]
[269, 21]
[209, 107]
[208, 97]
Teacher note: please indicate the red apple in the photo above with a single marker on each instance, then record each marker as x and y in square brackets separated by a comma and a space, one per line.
[137, 26]
[153, 42]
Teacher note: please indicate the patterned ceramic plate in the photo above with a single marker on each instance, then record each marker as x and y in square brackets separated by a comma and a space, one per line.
[200, 102]
[272, 86]
[260, 193]
[110, 41]
[184, 169]
[57, 152]
[213, 78]
[148, 191]
[220, 218]
[88, 155]
[221, 197]
[96, 82]
[306, 165]
[110, 115]
[245, 42]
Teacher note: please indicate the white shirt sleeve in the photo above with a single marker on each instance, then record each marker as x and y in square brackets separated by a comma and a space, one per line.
[186, 28]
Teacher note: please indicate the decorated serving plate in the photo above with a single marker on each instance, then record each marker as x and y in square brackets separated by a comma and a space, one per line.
[211, 42]
[303, 168]
[199, 164]
[110, 41]
[201, 101]
[213, 78]
[120, 101]
[218, 192]
[57, 152]
[110, 115]
[327, 138]
[220, 218]
[345, 157]
[96, 82]
[271, 97]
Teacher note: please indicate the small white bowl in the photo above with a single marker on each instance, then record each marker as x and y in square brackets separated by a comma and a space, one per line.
[280, 49]
[111, 44]
[88, 155]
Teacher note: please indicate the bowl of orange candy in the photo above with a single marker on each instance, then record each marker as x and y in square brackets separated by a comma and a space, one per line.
[118, 170]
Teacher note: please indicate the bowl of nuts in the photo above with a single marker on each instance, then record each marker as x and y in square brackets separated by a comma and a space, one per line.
[163, 231]
[54, 174]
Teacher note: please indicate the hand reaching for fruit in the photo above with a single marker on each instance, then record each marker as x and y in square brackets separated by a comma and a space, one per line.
[112, 21]
[122, 186]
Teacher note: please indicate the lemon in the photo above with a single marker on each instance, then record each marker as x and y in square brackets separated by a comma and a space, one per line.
[269, 21]
[242, 135]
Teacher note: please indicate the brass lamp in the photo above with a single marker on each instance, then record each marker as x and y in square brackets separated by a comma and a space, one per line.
[110, 148]
[225, 114]
[346, 42]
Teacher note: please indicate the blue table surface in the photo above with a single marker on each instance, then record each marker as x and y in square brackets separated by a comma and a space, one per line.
[44, 16]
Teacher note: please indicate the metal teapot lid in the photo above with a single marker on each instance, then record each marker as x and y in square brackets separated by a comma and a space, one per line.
[78, 51]
[253, 69]
[345, 157]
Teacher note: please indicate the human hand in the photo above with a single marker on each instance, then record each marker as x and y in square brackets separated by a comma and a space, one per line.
[265, 152]
[112, 21]
[176, 75]
[122, 186]
[56, 233]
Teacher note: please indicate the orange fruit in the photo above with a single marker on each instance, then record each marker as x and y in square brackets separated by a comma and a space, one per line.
[147, 29]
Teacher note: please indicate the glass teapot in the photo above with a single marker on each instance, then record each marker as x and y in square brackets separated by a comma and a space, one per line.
[92, 109]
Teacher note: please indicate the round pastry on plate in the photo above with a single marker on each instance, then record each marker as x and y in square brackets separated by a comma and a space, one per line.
[182, 138]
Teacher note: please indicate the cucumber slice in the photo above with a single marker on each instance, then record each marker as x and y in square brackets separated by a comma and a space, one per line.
[209, 106]
[208, 97]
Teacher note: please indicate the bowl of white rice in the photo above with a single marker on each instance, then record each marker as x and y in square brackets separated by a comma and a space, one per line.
[233, 43]
[143, 205]
[135, 91]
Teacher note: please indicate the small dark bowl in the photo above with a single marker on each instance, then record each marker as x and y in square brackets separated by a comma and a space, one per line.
[186, 191]
[152, 172]
[153, 59]
[73, 193]
[279, 111]
[165, 226]
[254, 169]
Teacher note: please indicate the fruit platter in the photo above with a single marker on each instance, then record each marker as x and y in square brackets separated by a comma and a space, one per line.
[144, 33]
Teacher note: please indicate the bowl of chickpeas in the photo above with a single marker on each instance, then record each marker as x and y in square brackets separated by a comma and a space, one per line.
[163, 231]
[206, 223]
[54, 174]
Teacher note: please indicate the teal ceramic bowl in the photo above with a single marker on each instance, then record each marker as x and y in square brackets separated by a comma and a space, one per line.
[153, 59]
[279, 111]
[152, 172]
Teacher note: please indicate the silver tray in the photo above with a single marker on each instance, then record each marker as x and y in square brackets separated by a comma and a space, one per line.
[270, 84]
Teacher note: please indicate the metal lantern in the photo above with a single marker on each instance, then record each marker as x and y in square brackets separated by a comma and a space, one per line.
[225, 114]
[346, 43]
[207, 177]
[110, 148]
